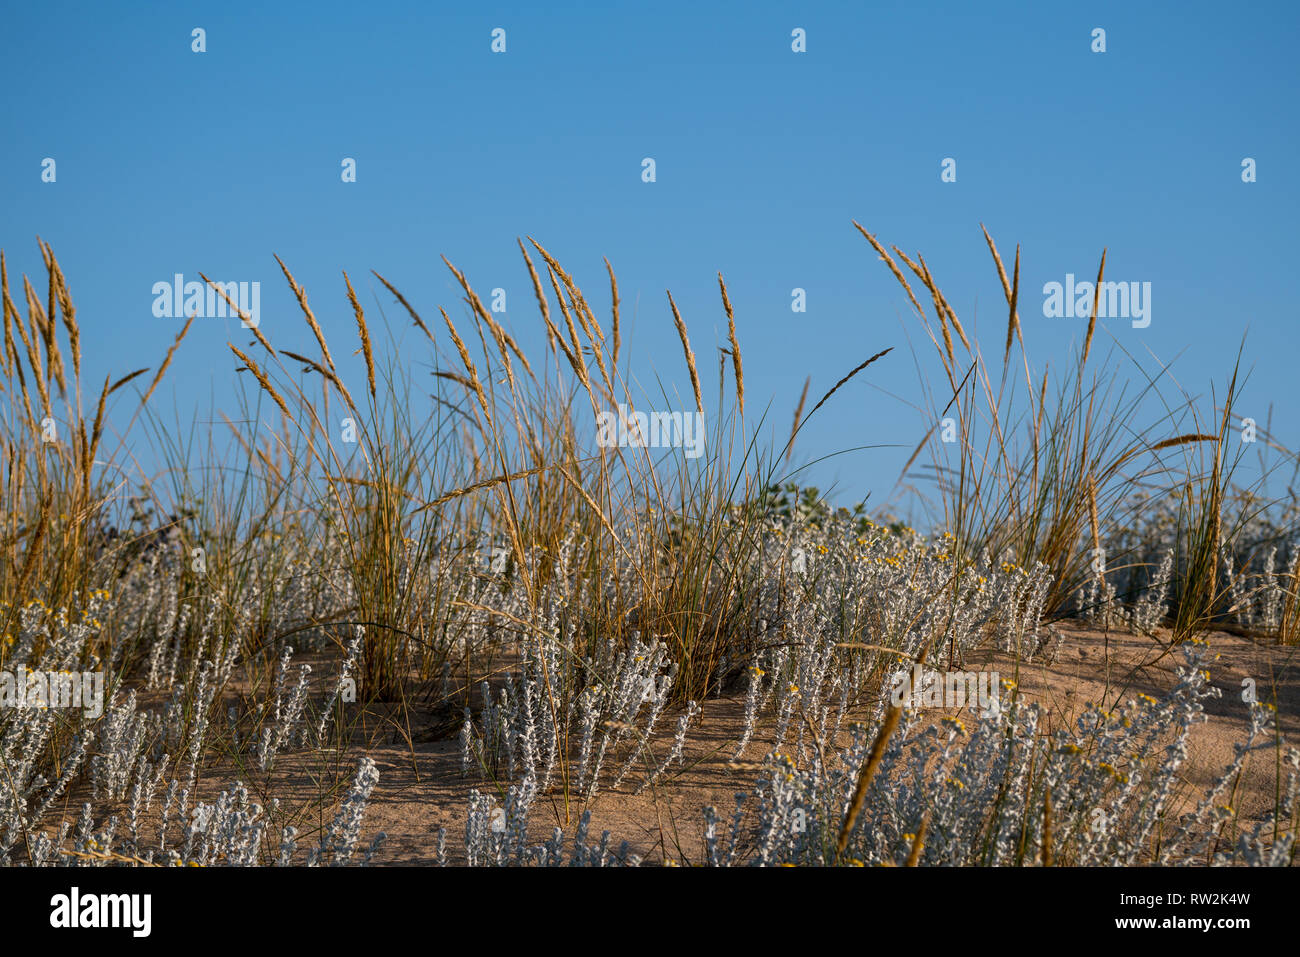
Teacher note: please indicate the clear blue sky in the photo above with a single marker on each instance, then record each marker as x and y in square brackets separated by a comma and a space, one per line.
[172, 161]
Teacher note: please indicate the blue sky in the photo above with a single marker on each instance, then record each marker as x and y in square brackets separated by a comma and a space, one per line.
[173, 161]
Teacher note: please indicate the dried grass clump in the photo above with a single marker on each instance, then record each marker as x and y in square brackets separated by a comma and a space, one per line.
[478, 564]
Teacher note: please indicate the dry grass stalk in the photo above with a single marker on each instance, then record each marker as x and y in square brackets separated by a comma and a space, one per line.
[505, 344]
[325, 374]
[364, 333]
[95, 432]
[613, 295]
[943, 302]
[1010, 290]
[69, 313]
[27, 399]
[1166, 444]
[798, 416]
[573, 348]
[167, 360]
[1183, 440]
[558, 276]
[32, 345]
[997, 259]
[59, 286]
[893, 267]
[735, 346]
[301, 295]
[43, 330]
[245, 317]
[837, 385]
[956, 323]
[468, 363]
[941, 313]
[1288, 629]
[125, 379]
[457, 378]
[585, 316]
[587, 319]
[29, 561]
[575, 344]
[261, 378]
[918, 842]
[1038, 428]
[477, 486]
[868, 770]
[927, 280]
[519, 354]
[1092, 319]
[10, 353]
[591, 503]
[1093, 524]
[690, 355]
[551, 332]
[271, 466]
[1013, 317]
[405, 305]
[920, 273]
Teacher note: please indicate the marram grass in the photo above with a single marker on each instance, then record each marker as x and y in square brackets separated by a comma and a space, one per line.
[568, 611]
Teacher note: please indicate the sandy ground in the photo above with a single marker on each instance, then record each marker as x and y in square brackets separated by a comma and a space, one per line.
[421, 786]
[1097, 667]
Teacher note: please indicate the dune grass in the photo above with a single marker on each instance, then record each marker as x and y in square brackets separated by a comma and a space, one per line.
[422, 557]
